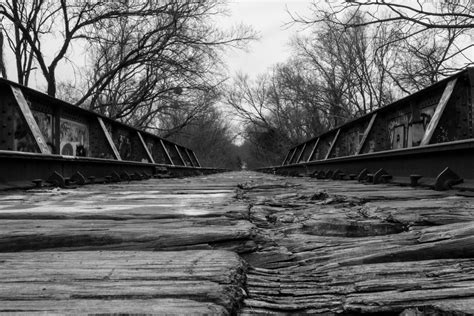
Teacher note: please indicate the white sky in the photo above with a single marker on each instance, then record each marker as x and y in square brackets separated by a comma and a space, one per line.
[268, 19]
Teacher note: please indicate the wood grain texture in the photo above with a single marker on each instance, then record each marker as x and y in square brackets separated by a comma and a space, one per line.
[105, 249]
[237, 243]
[330, 247]
[121, 281]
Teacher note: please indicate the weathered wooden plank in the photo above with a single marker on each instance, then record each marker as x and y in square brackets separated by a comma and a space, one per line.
[18, 235]
[121, 281]
[423, 211]
[397, 301]
[166, 306]
[313, 246]
[342, 246]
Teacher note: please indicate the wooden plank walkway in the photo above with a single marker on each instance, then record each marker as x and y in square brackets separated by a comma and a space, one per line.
[161, 246]
[239, 242]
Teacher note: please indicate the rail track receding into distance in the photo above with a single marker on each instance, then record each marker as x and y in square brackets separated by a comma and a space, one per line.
[425, 139]
[43, 139]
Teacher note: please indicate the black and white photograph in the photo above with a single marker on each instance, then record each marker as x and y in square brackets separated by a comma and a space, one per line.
[237, 157]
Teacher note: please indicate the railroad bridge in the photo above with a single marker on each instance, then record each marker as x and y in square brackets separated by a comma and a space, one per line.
[375, 216]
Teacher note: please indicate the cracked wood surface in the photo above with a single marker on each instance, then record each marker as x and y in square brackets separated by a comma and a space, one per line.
[121, 282]
[143, 247]
[242, 243]
[330, 247]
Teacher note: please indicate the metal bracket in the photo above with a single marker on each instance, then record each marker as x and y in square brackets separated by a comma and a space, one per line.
[329, 174]
[57, 179]
[378, 176]
[321, 175]
[115, 177]
[338, 175]
[78, 178]
[446, 179]
[125, 176]
[362, 175]
[414, 178]
[137, 176]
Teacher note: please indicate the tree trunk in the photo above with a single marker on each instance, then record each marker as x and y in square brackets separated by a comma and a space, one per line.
[3, 71]
[51, 78]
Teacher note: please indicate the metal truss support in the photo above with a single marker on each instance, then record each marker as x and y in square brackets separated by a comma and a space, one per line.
[109, 138]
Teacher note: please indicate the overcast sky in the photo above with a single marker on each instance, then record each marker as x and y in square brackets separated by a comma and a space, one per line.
[268, 18]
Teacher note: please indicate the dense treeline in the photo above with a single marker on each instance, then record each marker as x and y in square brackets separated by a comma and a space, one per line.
[159, 66]
[358, 56]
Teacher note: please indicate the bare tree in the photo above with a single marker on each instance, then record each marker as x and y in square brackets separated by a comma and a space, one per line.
[295, 97]
[32, 21]
[351, 68]
[35, 21]
[447, 14]
[276, 109]
[145, 71]
[3, 71]
[211, 137]
[453, 14]
[357, 58]
[424, 60]
[149, 61]
[170, 116]
[450, 22]
[336, 74]
[249, 99]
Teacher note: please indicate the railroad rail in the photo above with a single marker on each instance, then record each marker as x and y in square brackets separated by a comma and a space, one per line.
[46, 140]
[426, 139]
